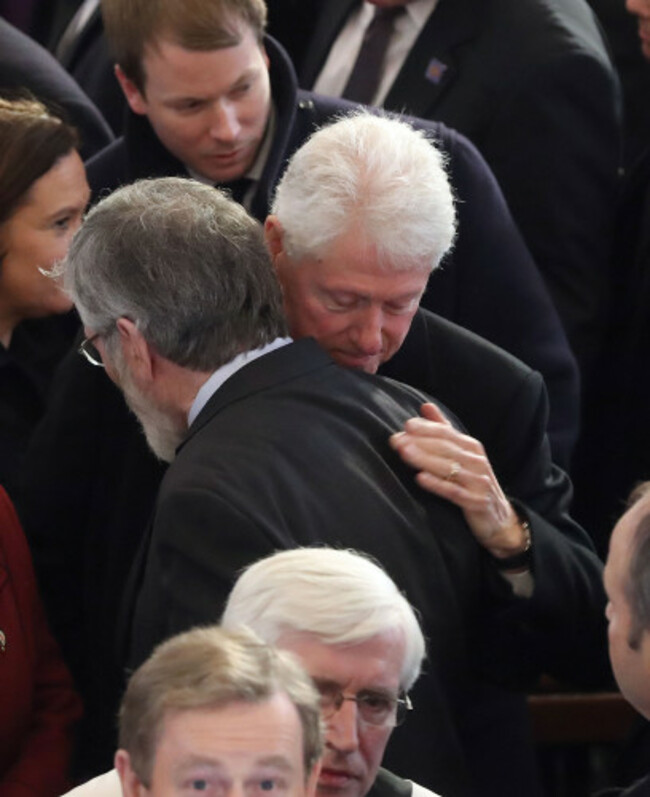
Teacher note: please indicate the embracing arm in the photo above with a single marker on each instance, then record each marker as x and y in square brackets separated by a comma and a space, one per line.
[561, 628]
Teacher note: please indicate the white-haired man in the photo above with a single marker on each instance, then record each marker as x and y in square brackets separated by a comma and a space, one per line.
[358, 638]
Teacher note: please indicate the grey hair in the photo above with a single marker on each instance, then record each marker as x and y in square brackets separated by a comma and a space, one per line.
[340, 596]
[182, 261]
[376, 176]
[212, 668]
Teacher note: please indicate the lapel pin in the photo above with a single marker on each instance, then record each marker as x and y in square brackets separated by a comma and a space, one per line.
[3, 641]
[435, 71]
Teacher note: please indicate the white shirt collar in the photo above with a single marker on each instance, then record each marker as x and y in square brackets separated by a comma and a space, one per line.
[214, 382]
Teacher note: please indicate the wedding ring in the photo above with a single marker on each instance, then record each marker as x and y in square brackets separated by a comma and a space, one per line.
[454, 470]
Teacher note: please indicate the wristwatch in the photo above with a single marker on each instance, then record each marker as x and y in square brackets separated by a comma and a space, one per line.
[519, 560]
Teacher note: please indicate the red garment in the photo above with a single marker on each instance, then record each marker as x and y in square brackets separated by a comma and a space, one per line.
[38, 705]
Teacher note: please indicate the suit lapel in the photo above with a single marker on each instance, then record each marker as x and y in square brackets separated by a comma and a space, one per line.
[432, 64]
[281, 365]
[331, 19]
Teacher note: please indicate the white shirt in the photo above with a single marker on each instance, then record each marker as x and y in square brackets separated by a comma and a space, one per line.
[106, 785]
[336, 71]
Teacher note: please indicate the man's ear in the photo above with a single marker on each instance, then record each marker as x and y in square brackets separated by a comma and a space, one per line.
[131, 784]
[137, 353]
[274, 236]
[136, 100]
[312, 780]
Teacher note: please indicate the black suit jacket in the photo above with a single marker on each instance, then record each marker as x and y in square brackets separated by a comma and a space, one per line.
[293, 450]
[614, 450]
[531, 84]
[24, 64]
[488, 284]
[639, 789]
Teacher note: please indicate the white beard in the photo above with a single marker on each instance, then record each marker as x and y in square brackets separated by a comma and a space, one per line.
[162, 432]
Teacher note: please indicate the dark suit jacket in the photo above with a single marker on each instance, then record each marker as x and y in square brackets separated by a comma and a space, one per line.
[293, 450]
[24, 64]
[622, 29]
[26, 369]
[614, 451]
[531, 84]
[639, 789]
[489, 284]
[500, 402]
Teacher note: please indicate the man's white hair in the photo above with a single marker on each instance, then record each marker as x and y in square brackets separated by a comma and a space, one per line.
[374, 177]
[340, 596]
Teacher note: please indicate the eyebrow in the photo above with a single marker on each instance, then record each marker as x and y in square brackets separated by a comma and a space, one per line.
[65, 211]
[277, 761]
[327, 683]
[346, 290]
[247, 74]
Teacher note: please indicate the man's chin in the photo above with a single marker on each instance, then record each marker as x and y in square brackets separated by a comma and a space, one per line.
[366, 363]
[350, 789]
[224, 168]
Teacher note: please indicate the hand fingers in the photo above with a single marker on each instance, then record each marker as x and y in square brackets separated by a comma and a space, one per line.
[436, 438]
[432, 412]
[443, 459]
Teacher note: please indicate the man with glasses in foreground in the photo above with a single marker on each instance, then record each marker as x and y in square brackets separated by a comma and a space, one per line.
[359, 639]
[357, 636]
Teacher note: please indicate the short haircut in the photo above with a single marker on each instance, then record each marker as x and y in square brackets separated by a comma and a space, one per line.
[185, 263]
[375, 177]
[209, 668]
[340, 596]
[32, 140]
[202, 25]
[637, 584]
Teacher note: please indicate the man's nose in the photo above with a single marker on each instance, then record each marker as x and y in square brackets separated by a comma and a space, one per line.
[369, 330]
[224, 124]
[342, 730]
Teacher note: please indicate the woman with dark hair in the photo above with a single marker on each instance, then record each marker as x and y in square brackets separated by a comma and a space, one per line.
[43, 194]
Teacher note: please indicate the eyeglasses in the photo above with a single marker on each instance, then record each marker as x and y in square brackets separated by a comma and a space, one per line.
[90, 351]
[374, 708]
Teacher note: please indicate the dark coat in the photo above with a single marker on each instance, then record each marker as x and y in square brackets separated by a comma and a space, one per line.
[532, 86]
[24, 64]
[26, 369]
[639, 789]
[614, 450]
[293, 450]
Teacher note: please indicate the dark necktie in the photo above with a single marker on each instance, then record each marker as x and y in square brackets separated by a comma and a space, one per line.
[367, 70]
